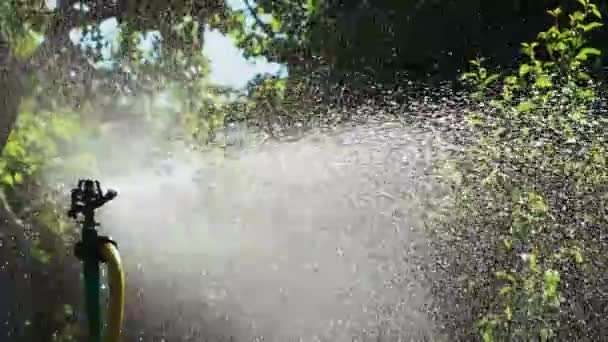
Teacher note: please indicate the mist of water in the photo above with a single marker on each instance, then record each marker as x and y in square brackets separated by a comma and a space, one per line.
[318, 239]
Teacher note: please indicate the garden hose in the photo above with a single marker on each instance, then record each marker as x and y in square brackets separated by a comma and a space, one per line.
[116, 277]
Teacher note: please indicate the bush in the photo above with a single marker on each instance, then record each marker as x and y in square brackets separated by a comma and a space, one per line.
[526, 236]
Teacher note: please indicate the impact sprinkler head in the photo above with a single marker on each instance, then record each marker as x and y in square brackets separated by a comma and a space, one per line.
[86, 198]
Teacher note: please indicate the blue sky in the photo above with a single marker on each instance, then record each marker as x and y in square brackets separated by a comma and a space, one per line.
[228, 67]
[227, 64]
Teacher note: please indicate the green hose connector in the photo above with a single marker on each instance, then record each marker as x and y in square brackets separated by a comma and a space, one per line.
[92, 285]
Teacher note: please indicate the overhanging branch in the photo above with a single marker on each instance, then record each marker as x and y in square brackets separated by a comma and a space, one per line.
[68, 18]
[265, 27]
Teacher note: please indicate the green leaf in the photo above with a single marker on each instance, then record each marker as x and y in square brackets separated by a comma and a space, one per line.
[592, 26]
[578, 257]
[584, 53]
[68, 310]
[543, 82]
[470, 77]
[508, 313]
[505, 290]
[275, 24]
[555, 12]
[488, 335]
[14, 148]
[524, 69]
[596, 11]
[312, 6]
[26, 45]
[577, 16]
[536, 203]
[7, 179]
[474, 119]
[505, 276]
[18, 177]
[510, 80]
[575, 253]
[490, 79]
[583, 76]
[525, 106]
[508, 244]
[551, 280]
[41, 255]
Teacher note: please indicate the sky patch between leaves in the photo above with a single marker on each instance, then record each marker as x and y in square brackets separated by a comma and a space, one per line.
[228, 67]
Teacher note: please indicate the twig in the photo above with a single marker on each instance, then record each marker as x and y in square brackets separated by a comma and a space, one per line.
[265, 27]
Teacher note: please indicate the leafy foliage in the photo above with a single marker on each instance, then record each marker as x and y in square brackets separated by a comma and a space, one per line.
[529, 190]
[33, 142]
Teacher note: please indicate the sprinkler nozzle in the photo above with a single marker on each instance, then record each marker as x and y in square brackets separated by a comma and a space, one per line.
[86, 198]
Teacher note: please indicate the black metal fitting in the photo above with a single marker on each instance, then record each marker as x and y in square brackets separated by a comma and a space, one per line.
[83, 253]
[86, 198]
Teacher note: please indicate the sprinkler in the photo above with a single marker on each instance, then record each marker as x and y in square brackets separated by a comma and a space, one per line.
[92, 250]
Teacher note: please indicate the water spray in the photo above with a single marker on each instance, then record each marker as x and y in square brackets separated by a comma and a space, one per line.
[92, 250]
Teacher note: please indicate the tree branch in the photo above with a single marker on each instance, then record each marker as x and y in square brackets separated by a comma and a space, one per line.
[68, 18]
[12, 238]
[10, 93]
[265, 27]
